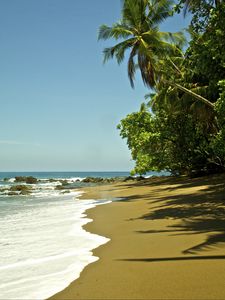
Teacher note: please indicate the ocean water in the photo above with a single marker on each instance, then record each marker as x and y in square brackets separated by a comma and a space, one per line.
[43, 246]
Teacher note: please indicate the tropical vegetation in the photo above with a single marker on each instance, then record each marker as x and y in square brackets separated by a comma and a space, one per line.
[181, 125]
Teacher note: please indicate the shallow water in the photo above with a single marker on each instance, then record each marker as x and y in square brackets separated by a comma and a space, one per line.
[43, 246]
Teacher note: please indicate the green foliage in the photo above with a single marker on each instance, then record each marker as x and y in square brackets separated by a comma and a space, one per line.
[205, 57]
[138, 32]
[200, 10]
[220, 104]
[174, 142]
[182, 127]
[139, 130]
[218, 142]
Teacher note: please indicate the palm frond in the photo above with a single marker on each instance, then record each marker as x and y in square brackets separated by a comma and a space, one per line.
[130, 13]
[149, 95]
[187, 6]
[134, 13]
[176, 38]
[159, 10]
[118, 50]
[117, 31]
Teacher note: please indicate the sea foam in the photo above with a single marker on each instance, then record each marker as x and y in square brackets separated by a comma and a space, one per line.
[44, 246]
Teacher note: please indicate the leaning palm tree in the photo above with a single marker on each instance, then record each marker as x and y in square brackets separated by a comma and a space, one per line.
[138, 31]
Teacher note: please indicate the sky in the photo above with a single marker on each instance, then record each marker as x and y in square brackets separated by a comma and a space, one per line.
[59, 105]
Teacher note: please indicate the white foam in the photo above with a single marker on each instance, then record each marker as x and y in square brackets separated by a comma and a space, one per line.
[11, 179]
[44, 247]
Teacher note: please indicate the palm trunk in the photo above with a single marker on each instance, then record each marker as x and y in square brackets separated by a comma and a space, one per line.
[193, 94]
[182, 88]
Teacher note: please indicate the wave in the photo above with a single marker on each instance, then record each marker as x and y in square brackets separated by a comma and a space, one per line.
[45, 239]
[42, 260]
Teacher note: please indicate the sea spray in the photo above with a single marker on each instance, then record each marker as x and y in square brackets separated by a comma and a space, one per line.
[43, 244]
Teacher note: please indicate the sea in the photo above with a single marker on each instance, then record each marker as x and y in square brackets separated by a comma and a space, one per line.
[43, 246]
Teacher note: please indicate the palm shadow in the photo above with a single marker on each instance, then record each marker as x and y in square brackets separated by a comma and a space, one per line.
[201, 212]
[160, 259]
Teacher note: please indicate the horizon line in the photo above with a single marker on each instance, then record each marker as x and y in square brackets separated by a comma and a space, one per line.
[66, 171]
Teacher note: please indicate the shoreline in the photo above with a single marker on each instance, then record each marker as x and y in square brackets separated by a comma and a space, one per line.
[164, 241]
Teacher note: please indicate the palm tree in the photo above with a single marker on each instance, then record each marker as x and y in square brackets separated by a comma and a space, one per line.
[140, 34]
[138, 31]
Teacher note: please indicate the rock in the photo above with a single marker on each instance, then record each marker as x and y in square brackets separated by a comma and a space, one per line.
[20, 188]
[129, 178]
[31, 180]
[140, 178]
[12, 194]
[89, 179]
[64, 182]
[27, 179]
[20, 179]
[52, 180]
[65, 192]
[59, 187]
[25, 192]
[101, 180]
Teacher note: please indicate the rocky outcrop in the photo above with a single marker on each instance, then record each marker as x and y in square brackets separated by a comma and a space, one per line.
[100, 180]
[19, 190]
[26, 179]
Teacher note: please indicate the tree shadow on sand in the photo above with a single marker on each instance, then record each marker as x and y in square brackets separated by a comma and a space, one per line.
[200, 212]
[166, 259]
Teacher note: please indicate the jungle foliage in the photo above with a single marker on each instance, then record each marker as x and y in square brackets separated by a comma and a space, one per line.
[181, 127]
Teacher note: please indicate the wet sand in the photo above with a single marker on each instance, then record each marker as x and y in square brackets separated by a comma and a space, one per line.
[167, 241]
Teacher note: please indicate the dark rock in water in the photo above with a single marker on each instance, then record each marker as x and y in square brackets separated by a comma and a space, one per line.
[20, 188]
[23, 189]
[66, 192]
[129, 178]
[140, 178]
[64, 182]
[78, 180]
[100, 180]
[63, 187]
[134, 178]
[12, 194]
[59, 187]
[96, 180]
[6, 179]
[20, 179]
[27, 179]
[31, 180]
[91, 179]
[25, 192]
[52, 180]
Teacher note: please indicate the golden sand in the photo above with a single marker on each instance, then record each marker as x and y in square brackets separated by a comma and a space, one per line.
[167, 241]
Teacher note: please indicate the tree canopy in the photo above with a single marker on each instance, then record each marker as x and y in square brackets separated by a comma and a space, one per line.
[181, 127]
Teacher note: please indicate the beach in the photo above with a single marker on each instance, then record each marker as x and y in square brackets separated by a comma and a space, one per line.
[167, 241]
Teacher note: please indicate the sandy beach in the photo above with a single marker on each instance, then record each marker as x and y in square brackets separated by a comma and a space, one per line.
[167, 241]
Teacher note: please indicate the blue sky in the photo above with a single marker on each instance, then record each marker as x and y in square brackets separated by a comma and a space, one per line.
[59, 104]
